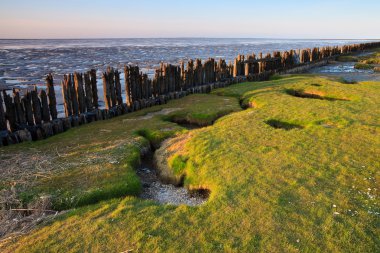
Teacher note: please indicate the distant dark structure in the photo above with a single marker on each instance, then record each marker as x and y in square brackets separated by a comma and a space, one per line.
[34, 115]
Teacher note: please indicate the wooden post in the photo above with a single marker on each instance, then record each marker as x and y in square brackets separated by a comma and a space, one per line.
[156, 82]
[183, 75]
[111, 85]
[119, 98]
[132, 83]
[36, 103]
[78, 84]
[66, 96]
[51, 95]
[10, 111]
[20, 114]
[73, 95]
[106, 91]
[236, 65]
[88, 90]
[246, 70]
[27, 102]
[127, 80]
[94, 87]
[45, 106]
[3, 122]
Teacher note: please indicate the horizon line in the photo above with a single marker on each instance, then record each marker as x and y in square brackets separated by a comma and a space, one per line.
[185, 37]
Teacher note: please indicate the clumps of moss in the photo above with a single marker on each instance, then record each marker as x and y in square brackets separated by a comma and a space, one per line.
[170, 160]
[373, 59]
[178, 163]
[363, 66]
[347, 58]
[155, 137]
[368, 62]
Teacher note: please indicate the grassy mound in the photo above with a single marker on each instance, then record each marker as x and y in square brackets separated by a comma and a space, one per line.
[311, 189]
[96, 162]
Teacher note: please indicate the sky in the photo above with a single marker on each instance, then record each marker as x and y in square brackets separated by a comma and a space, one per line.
[298, 19]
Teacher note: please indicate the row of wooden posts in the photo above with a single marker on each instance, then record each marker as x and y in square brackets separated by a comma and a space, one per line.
[34, 115]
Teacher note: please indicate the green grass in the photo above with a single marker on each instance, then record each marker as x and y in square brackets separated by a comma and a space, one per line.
[347, 58]
[97, 161]
[372, 59]
[363, 66]
[368, 62]
[309, 189]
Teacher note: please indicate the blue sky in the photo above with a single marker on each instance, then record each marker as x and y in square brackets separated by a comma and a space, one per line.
[190, 18]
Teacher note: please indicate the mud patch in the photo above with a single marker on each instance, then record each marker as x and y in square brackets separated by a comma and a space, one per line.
[282, 124]
[154, 189]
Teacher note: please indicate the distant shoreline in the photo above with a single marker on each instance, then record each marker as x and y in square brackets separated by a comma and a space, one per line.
[256, 38]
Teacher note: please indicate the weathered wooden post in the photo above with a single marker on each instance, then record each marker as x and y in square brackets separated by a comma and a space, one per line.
[78, 84]
[111, 85]
[88, 90]
[45, 106]
[3, 122]
[51, 95]
[20, 114]
[66, 94]
[246, 69]
[119, 97]
[109, 88]
[73, 95]
[94, 86]
[190, 70]
[156, 83]
[236, 67]
[10, 111]
[106, 91]
[27, 102]
[127, 81]
[36, 104]
[199, 72]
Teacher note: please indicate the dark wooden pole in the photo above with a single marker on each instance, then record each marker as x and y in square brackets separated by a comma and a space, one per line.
[20, 114]
[45, 106]
[51, 95]
[127, 80]
[36, 104]
[119, 98]
[27, 103]
[88, 90]
[66, 96]
[94, 86]
[106, 91]
[73, 95]
[78, 83]
[3, 122]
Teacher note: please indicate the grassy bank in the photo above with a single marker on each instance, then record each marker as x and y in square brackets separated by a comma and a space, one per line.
[368, 62]
[97, 161]
[296, 171]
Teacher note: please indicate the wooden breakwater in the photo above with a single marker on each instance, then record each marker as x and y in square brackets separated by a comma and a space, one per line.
[33, 116]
